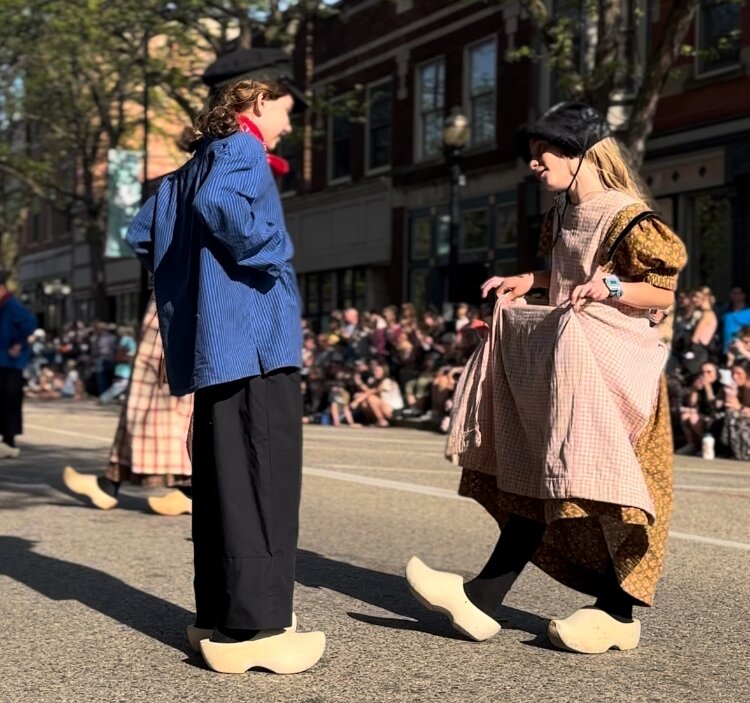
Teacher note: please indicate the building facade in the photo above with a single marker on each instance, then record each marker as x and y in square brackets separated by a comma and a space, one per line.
[369, 209]
[373, 227]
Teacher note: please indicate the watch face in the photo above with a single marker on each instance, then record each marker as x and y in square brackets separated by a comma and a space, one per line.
[613, 285]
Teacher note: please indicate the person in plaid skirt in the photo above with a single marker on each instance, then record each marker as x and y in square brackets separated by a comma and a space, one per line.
[561, 418]
[150, 445]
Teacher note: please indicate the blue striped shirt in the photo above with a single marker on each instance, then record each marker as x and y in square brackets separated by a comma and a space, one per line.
[214, 237]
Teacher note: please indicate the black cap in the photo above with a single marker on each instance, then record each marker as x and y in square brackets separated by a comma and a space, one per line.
[573, 127]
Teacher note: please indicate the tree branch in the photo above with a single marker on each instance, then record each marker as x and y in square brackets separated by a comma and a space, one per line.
[676, 26]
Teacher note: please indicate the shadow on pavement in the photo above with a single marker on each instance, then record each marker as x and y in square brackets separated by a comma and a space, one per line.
[30, 479]
[390, 592]
[35, 478]
[64, 580]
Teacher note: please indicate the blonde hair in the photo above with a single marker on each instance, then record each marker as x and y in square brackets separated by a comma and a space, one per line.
[219, 119]
[615, 169]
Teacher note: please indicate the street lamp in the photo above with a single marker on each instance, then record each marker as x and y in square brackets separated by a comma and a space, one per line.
[456, 135]
[57, 291]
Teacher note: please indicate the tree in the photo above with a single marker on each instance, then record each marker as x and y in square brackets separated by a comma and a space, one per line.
[612, 67]
[225, 25]
[79, 71]
[72, 78]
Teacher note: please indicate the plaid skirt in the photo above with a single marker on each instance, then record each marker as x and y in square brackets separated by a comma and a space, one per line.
[150, 442]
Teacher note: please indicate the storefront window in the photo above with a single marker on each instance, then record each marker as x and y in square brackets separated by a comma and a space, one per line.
[431, 92]
[418, 288]
[710, 242]
[326, 291]
[474, 230]
[313, 294]
[506, 232]
[443, 235]
[360, 288]
[379, 122]
[482, 87]
[719, 34]
[421, 238]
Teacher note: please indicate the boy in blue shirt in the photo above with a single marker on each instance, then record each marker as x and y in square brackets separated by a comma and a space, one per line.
[229, 312]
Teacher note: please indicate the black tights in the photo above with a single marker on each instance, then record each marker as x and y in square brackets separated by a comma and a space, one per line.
[519, 540]
[10, 440]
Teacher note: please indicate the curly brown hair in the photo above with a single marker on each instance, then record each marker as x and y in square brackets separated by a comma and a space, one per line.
[219, 119]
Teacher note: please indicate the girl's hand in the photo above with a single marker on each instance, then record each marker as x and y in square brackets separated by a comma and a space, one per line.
[593, 289]
[512, 286]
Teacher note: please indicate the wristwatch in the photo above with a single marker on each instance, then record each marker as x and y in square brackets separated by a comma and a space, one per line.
[614, 286]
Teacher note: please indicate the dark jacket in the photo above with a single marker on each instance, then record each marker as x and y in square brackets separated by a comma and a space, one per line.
[16, 326]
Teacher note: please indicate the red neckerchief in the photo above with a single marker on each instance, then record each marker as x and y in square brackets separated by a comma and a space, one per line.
[4, 299]
[279, 166]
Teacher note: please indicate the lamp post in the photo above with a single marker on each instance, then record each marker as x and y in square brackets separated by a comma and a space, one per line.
[456, 134]
[58, 291]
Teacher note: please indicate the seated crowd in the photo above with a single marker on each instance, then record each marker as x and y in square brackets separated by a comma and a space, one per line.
[378, 368]
[83, 361]
[709, 374]
[374, 368]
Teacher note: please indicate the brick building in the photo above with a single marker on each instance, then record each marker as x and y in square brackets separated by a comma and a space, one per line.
[371, 224]
[372, 227]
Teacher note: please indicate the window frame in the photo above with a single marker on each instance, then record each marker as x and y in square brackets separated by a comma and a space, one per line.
[465, 211]
[330, 178]
[699, 74]
[369, 169]
[419, 155]
[468, 99]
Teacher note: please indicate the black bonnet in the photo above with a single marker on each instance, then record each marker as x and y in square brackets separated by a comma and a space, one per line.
[573, 127]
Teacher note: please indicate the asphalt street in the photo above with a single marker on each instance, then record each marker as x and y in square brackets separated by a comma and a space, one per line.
[94, 605]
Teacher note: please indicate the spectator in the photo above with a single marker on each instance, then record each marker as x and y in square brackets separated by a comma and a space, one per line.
[104, 356]
[462, 316]
[740, 346]
[308, 352]
[702, 408]
[707, 323]
[72, 387]
[443, 388]
[16, 326]
[736, 431]
[419, 390]
[695, 334]
[378, 401]
[339, 400]
[124, 355]
[736, 316]
[350, 324]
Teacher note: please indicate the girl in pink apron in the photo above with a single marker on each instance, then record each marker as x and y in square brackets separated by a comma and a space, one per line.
[561, 421]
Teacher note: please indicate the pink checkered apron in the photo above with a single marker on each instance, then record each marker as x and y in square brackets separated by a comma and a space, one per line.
[553, 402]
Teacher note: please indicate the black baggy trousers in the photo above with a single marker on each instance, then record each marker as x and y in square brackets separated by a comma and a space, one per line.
[247, 476]
[11, 401]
